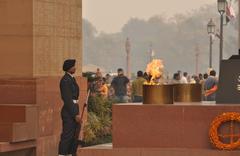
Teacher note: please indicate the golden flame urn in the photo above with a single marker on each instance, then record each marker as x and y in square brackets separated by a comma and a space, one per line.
[157, 94]
[187, 93]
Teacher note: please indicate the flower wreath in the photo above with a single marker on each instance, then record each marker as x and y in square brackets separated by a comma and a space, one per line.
[215, 136]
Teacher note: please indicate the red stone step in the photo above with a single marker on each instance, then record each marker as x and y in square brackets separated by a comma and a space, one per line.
[17, 132]
[18, 91]
[7, 147]
[12, 113]
[21, 124]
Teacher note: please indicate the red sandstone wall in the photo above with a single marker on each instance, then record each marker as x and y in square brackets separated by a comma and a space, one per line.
[36, 36]
[43, 122]
[16, 38]
[49, 101]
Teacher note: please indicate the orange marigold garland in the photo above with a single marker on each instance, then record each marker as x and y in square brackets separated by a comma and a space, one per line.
[215, 136]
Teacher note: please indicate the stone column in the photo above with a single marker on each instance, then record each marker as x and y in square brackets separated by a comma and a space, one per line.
[36, 36]
[57, 35]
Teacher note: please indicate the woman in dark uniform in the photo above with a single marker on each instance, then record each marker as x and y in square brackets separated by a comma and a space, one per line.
[70, 111]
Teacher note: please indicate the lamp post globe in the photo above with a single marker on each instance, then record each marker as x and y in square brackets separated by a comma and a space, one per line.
[211, 27]
[221, 6]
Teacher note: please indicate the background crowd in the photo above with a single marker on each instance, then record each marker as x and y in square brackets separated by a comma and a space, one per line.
[121, 89]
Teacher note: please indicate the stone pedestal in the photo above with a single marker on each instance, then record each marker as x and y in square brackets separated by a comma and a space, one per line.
[229, 82]
[166, 130]
[165, 126]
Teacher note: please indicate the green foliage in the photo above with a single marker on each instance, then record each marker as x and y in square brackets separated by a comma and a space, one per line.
[99, 123]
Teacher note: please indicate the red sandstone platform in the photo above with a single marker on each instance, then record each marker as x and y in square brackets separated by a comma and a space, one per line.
[163, 130]
[166, 126]
[107, 150]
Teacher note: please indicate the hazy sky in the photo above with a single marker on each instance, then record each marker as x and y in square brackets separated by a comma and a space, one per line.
[110, 15]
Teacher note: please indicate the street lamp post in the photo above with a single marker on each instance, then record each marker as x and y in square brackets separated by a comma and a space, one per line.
[221, 10]
[211, 31]
[128, 50]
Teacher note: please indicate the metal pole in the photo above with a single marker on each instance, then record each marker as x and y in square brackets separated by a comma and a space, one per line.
[221, 40]
[210, 54]
[197, 59]
[128, 66]
[197, 56]
[128, 50]
[151, 52]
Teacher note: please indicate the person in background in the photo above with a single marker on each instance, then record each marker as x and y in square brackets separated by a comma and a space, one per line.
[98, 73]
[108, 79]
[192, 79]
[196, 78]
[180, 73]
[119, 84]
[176, 78]
[202, 82]
[103, 88]
[146, 76]
[94, 85]
[200, 76]
[210, 86]
[189, 78]
[205, 76]
[137, 87]
[184, 78]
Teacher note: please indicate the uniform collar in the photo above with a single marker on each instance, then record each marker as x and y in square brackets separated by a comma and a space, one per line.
[70, 74]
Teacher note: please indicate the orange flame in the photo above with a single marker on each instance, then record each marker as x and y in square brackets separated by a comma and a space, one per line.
[155, 69]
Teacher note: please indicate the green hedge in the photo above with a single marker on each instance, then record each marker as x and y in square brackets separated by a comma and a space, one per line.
[99, 124]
